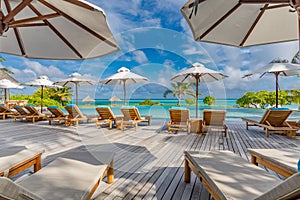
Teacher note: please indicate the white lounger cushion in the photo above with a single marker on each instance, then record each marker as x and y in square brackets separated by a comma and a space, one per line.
[231, 176]
[71, 176]
[14, 156]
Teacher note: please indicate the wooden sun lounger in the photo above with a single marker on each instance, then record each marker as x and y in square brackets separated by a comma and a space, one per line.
[105, 115]
[74, 175]
[132, 117]
[281, 161]
[16, 160]
[75, 115]
[273, 120]
[57, 115]
[214, 120]
[4, 112]
[22, 113]
[228, 176]
[35, 114]
[179, 119]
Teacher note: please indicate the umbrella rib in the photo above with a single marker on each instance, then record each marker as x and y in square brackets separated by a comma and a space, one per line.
[57, 32]
[17, 34]
[78, 23]
[12, 13]
[254, 24]
[27, 25]
[212, 76]
[32, 19]
[219, 21]
[193, 3]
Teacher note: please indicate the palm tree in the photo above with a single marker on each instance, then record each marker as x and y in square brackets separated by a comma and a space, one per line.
[62, 95]
[180, 89]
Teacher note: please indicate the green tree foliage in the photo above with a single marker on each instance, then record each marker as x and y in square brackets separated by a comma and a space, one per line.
[179, 90]
[263, 98]
[51, 97]
[295, 96]
[209, 100]
[148, 102]
[61, 95]
[190, 101]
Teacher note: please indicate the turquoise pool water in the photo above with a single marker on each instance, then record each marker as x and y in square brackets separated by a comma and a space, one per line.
[233, 112]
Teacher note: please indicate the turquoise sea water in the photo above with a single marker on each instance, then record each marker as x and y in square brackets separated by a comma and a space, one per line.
[233, 112]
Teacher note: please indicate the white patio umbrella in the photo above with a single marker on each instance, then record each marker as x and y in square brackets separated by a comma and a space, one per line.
[283, 69]
[43, 82]
[242, 22]
[54, 29]
[76, 80]
[88, 99]
[197, 73]
[8, 84]
[114, 98]
[124, 76]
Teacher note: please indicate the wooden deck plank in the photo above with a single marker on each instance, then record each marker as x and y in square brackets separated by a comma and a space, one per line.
[148, 162]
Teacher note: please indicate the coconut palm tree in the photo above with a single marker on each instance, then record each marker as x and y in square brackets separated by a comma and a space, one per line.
[179, 90]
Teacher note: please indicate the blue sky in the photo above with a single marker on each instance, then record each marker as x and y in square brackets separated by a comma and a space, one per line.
[156, 42]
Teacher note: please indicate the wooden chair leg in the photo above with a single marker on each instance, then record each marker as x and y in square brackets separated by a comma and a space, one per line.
[187, 172]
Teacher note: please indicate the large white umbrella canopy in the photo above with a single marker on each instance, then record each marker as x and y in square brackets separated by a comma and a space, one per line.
[54, 29]
[242, 22]
[283, 69]
[124, 76]
[8, 84]
[196, 73]
[76, 80]
[43, 82]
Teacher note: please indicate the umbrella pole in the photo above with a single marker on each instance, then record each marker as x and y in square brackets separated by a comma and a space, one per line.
[5, 94]
[197, 85]
[76, 88]
[42, 96]
[124, 88]
[276, 75]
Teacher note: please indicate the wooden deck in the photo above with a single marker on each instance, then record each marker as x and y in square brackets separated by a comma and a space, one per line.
[148, 162]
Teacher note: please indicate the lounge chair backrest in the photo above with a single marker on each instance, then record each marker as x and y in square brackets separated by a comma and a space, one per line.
[32, 110]
[179, 115]
[74, 111]
[105, 112]
[214, 117]
[4, 109]
[56, 111]
[21, 110]
[131, 113]
[275, 117]
[288, 189]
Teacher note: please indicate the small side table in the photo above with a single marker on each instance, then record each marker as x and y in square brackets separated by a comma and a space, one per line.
[196, 125]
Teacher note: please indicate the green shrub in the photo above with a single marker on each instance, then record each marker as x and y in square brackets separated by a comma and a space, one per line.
[209, 100]
[190, 101]
[148, 102]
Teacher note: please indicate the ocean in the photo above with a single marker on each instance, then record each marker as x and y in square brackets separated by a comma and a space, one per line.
[233, 111]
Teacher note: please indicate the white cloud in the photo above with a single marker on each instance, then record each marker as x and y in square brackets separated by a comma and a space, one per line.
[139, 57]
